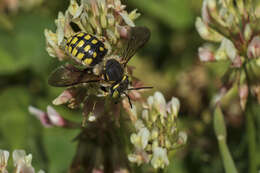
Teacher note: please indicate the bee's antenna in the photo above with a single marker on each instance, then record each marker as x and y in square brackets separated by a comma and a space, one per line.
[129, 100]
[140, 88]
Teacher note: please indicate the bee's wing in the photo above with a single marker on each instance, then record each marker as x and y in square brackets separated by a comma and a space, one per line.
[65, 76]
[136, 39]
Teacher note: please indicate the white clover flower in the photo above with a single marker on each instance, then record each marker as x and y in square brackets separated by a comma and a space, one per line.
[229, 48]
[154, 135]
[159, 104]
[139, 124]
[150, 101]
[73, 8]
[4, 155]
[51, 39]
[145, 115]
[140, 140]
[207, 33]
[183, 137]
[22, 162]
[175, 106]
[60, 22]
[160, 158]
[135, 158]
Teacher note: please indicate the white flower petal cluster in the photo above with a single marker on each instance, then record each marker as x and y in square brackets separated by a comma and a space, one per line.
[221, 22]
[4, 155]
[156, 132]
[21, 161]
[234, 28]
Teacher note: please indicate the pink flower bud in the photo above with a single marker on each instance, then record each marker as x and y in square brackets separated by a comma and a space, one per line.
[63, 98]
[206, 55]
[55, 118]
[42, 116]
[253, 50]
[237, 62]
[243, 94]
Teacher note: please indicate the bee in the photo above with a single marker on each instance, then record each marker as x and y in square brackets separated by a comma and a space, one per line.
[113, 70]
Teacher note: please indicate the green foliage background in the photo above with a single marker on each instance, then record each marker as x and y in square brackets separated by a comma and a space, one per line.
[168, 62]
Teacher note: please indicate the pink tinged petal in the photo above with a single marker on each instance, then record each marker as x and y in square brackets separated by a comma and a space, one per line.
[22, 162]
[97, 171]
[94, 7]
[42, 116]
[253, 50]
[182, 139]
[23, 168]
[206, 55]
[20, 156]
[205, 12]
[237, 62]
[4, 155]
[243, 94]
[63, 98]
[55, 118]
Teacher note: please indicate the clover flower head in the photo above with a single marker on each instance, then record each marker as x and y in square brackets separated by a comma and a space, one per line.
[233, 26]
[106, 19]
[157, 132]
[22, 162]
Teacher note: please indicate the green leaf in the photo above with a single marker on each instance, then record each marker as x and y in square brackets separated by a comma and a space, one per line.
[14, 118]
[25, 47]
[60, 148]
[176, 13]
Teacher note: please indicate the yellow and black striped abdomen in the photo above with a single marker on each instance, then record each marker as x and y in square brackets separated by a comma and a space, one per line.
[86, 48]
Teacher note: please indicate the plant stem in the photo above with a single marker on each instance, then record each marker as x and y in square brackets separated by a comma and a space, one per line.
[221, 133]
[229, 164]
[250, 127]
[160, 170]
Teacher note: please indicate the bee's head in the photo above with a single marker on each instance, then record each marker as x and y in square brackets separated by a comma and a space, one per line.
[120, 87]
